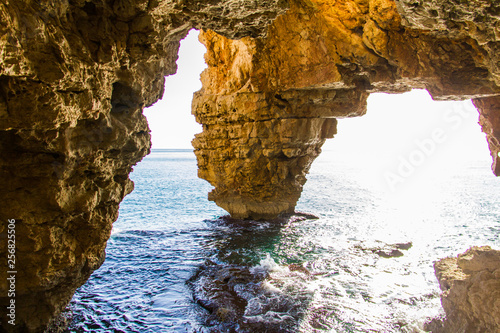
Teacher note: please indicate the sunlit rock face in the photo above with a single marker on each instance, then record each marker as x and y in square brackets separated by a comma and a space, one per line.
[471, 291]
[268, 104]
[76, 75]
[489, 119]
[74, 79]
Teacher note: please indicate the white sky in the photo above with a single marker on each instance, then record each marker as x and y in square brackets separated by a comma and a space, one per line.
[395, 128]
[396, 124]
[170, 119]
[407, 141]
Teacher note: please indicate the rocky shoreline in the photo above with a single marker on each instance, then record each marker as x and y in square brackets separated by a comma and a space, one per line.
[471, 292]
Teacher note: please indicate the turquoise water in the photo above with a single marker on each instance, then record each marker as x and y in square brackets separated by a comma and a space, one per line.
[167, 230]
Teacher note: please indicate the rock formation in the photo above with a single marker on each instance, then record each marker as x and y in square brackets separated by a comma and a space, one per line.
[489, 118]
[471, 291]
[75, 76]
[268, 104]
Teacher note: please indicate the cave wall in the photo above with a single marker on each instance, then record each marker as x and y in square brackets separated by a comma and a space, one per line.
[76, 75]
[74, 79]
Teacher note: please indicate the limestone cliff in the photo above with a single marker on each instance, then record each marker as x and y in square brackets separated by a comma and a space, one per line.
[74, 78]
[471, 291]
[76, 74]
[268, 104]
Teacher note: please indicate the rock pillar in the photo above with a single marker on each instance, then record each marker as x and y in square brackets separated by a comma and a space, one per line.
[256, 148]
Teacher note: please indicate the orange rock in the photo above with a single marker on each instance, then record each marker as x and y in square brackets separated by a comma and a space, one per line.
[271, 101]
[471, 291]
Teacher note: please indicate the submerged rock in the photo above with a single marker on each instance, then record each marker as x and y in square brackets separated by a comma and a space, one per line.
[219, 288]
[471, 292]
[393, 253]
[299, 268]
[239, 299]
[393, 250]
[281, 219]
[304, 215]
[388, 250]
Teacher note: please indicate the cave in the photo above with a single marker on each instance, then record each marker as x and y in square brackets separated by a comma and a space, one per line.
[75, 77]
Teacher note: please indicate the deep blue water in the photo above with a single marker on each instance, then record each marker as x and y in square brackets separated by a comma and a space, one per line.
[167, 230]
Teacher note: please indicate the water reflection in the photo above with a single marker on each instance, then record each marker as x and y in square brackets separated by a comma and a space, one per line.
[244, 242]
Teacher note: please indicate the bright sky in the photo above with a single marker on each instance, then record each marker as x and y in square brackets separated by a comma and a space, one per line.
[170, 119]
[397, 124]
[406, 140]
[397, 130]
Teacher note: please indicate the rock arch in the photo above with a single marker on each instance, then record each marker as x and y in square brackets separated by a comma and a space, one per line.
[75, 76]
[267, 105]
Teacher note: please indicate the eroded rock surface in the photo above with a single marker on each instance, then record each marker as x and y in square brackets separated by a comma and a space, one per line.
[75, 76]
[471, 291]
[489, 119]
[268, 104]
[238, 298]
[74, 79]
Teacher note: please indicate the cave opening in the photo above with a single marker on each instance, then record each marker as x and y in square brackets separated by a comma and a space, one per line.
[406, 182]
[406, 139]
[411, 157]
[410, 182]
[75, 77]
[170, 120]
[385, 179]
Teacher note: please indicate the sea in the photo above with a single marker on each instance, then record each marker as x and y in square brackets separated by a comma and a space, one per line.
[359, 258]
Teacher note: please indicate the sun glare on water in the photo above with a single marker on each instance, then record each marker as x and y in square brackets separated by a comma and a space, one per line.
[407, 150]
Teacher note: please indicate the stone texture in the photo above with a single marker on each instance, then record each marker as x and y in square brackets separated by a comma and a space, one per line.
[478, 20]
[471, 291]
[489, 110]
[75, 76]
[268, 104]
